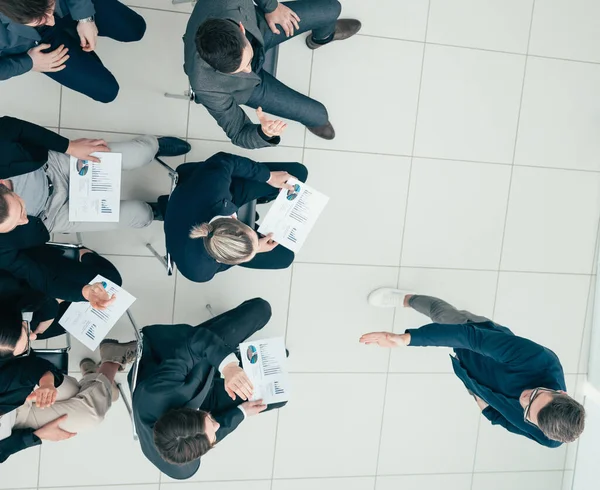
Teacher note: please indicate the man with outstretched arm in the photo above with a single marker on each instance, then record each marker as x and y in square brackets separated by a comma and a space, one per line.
[517, 383]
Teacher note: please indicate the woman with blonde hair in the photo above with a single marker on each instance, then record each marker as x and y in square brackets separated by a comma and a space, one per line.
[203, 234]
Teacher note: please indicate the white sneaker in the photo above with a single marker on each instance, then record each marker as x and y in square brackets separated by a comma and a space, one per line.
[387, 297]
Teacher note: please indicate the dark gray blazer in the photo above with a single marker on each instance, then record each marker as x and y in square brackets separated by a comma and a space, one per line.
[222, 93]
[16, 39]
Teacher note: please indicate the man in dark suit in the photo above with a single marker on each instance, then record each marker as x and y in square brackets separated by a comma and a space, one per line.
[518, 384]
[35, 166]
[58, 38]
[225, 46]
[181, 407]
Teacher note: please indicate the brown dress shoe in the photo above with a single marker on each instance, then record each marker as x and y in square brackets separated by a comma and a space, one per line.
[344, 28]
[326, 131]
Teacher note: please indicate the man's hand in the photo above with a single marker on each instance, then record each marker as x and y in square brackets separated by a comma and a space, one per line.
[97, 296]
[386, 339]
[236, 382]
[84, 147]
[48, 62]
[52, 432]
[45, 395]
[266, 244]
[285, 17]
[279, 178]
[253, 408]
[88, 35]
[269, 127]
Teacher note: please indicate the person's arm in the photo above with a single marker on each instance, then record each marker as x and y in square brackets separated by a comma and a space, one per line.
[39, 277]
[26, 133]
[46, 311]
[240, 167]
[234, 121]
[14, 65]
[19, 439]
[81, 9]
[501, 347]
[496, 418]
[267, 6]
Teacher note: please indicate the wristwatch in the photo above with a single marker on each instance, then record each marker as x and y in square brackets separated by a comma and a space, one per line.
[87, 19]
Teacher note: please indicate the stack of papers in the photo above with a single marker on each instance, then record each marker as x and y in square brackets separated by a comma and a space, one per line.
[264, 363]
[293, 214]
[95, 188]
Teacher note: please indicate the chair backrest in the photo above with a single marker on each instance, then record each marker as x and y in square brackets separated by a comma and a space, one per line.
[58, 357]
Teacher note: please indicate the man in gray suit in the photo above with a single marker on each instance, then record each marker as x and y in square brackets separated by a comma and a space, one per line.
[225, 46]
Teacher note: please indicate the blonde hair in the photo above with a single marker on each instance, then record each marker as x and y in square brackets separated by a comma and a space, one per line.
[226, 240]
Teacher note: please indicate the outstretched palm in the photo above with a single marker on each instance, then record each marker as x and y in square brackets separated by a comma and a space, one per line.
[382, 339]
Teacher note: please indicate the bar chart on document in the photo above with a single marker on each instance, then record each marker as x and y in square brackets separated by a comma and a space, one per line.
[95, 188]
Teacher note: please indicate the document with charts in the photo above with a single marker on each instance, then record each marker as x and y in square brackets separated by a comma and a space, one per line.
[95, 188]
[264, 362]
[91, 326]
[293, 214]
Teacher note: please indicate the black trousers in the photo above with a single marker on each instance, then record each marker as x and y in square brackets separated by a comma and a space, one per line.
[84, 71]
[318, 16]
[82, 272]
[234, 327]
[244, 191]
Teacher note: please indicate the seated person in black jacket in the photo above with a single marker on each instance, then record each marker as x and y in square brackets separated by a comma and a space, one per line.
[46, 311]
[181, 407]
[35, 174]
[203, 234]
[37, 402]
[25, 256]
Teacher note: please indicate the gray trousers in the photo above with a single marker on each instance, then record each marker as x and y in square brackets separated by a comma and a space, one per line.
[441, 312]
[136, 153]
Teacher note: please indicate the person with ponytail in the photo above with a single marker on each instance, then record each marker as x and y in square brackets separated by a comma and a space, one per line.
[204, 236]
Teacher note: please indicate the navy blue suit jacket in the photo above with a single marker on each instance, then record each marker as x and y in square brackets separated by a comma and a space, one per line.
[497, 366]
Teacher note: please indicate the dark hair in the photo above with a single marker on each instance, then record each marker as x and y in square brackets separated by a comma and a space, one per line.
[562, 419]
[179, 435]
[25, 11]
[4, 209]
[220, 43]
[11, 328]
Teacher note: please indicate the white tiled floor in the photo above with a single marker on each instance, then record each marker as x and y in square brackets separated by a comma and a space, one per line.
[498, 213]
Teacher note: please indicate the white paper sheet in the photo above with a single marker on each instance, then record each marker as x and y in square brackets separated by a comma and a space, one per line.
[95, 188]
[264, 362]
[293, 214]
[91, 326]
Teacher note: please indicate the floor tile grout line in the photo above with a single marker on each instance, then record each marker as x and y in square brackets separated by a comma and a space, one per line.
[410, 167]
[486, 50]
[385, 387]
[391, 266]
[510, 182]
[400, 155]
[513, 162]
[416, 41]
[306, 478]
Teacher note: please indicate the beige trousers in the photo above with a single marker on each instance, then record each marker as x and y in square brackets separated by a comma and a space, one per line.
[85, 403]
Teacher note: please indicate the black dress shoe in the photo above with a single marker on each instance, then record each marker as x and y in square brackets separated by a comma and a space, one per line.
[326, 131]
[344, 28]
[169, 146]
